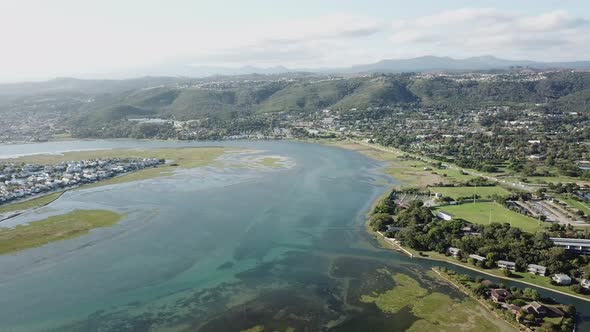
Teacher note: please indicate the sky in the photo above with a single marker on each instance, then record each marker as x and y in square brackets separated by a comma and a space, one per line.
[43, 39]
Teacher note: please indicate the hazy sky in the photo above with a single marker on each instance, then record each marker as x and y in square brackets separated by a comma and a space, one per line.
[47, 38]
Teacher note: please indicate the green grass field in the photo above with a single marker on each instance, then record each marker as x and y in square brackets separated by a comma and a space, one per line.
[56, 228]
[483, 192]
[479, 213]
[584, 207]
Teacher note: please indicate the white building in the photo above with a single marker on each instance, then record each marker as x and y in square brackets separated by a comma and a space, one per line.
[581, 246]
[507, 265]
[562, 279]
[478, 258]
[454, 251]
[537, 269]
[444, 215]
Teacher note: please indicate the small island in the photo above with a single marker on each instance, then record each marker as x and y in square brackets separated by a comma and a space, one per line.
[55, 228]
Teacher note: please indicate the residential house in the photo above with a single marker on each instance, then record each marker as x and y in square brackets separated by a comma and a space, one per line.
[454, 251]
[478, 258]
[537, 269]
[536, 309]
[500, 295]
[539, 310]
[585, 283]
[506, 265]
[562, 279]
[514, 309]
[444, 215]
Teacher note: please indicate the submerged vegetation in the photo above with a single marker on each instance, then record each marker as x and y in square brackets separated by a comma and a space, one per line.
[435, 310]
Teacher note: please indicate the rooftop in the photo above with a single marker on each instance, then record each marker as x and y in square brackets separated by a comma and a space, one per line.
[506, 263]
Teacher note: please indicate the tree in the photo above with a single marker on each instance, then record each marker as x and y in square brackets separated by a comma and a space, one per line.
[531, 293]
[379, 221]
[480, 290]
[570, 310]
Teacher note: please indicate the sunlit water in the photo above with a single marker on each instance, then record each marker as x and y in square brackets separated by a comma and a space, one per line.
[213, 248]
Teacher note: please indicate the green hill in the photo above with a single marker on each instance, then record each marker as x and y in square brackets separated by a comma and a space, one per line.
[309, 96]
[227, 99]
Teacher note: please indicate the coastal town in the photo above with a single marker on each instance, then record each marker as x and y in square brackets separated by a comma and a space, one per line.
[20, 181]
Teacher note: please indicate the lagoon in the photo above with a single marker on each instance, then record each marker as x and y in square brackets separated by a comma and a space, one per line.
[215, 248]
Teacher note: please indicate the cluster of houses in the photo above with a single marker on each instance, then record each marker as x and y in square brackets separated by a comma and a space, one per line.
[558, 278]
[535, 308]
[18, 181]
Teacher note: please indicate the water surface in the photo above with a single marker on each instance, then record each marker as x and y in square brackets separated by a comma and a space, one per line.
[215, 249]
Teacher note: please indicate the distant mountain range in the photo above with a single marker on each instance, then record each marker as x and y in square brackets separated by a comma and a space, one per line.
[434, 63]
[420, 64]
[166, 73]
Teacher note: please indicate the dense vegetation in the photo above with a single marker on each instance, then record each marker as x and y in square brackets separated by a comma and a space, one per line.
[417, 228]
[227, 100]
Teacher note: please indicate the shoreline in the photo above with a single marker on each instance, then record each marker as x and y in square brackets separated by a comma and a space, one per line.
[19, 212]
[390, 244]
[462, 290]
[482, 271]
[393, 245]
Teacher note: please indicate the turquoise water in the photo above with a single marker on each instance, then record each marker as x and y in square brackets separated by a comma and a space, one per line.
[215, 249]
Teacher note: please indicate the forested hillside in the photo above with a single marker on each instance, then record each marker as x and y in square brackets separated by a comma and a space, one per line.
[94, 106]
[308, 95]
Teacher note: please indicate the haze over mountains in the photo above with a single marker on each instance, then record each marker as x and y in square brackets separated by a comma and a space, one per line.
[418, 64]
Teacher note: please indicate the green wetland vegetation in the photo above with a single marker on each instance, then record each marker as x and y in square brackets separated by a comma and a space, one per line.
[54, 228]
[29, 204]
[435, 310]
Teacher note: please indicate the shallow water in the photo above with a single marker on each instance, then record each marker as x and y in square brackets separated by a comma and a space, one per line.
[215, 249]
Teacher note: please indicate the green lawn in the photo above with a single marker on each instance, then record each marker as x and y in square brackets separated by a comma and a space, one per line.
[584, 207]
[56, 228]
[479, 213]
[484, 192]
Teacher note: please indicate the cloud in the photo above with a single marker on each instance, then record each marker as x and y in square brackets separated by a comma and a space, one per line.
[554, 21]
[296, 42]
[475, 31]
